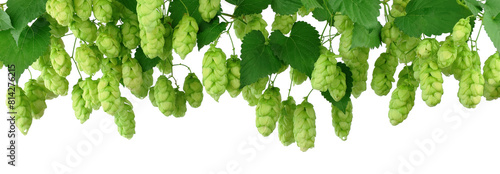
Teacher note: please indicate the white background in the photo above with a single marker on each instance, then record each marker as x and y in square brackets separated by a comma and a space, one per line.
[220, 138]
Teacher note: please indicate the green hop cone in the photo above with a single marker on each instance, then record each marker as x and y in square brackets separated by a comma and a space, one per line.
[184, 37]
[109, 94]
[427, 47]
[168, 37]
[338, 86]
[152, 43]
[61, 10]
[431, 82]
[492, 70]
[194, 90]
[404, 48]
[471, 87]
[342, 23]
[341, 121]
[466, 59]
[54, 82]
[268, 111]
[285, 121]
[491, 92]
[165, 66]
[461, 31]
[149, 13]
[56, 30]
[323, 72]
[214, 72]
[90, 93]
[416, 69]
[112, 66]
[84, 30]
[152, 96]
[103, 10]
[124, 118]
[304, 126]
[130, 32]
[253, 22]
[208, 9]
[180, 104]
[297, 76]
[21, 106]
[36, 94]
[390, 33]
[49, 94]
[108, 40]
[83, 8]
[403, 97]
[42, 62]
[152, 31]
[303, 11]
[88, 58]
[82, 113]
[251, 93]
[233, 76]
[59, 58]
[147, 81]
[284, 23]
[131, 73]
[164, 95]
[447, 53]
[383, 74]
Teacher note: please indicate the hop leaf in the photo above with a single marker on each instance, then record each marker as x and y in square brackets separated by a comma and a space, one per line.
[268, 111]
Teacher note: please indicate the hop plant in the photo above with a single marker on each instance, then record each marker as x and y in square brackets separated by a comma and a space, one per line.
[42, 62]
[184, 37]
[36, 95]
[113, 67]
[427, 47]
[492, 70]
[233, 76]
[383, 74]
[447, 53]
[341, 121]
[471, 88]
[285, 121]
[304, 125]
[103, 10]
[297, 76]
[214, 72]
[130, 31]
[109, 94]
[208, 9]
[491, 92]
[131, 73]
[83, 8]
[180, 104]
[108, 40]
[284, 23]
[147, 81]
[82, 113]
[84, 30]
[124, 118]
[61, 10]
[461, 31]
[268, 111]
[22, 106]
[88, 58]
[251, 93]
[90, 93]
[253, 22]
[403, 97]
[152, 96]
[431, 82]
[56, 30]
[390, 33]
[59, 58]
[54, 82]
[193, 89]
[164, 95]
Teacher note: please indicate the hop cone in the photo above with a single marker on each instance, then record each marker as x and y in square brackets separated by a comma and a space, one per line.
[431, 82]
[324, 71]
[152, 30]
[356, 59]
[403, 97]
[194, 90]
[152, 96]
[84, 30]
[42, 62]
[253, 22]
[383, 74]
[447, 53]
[165, 66]
[88, 58]
[108, 41]
[59, 58]
[113, 67]
[184, 37]
[297, 76]
[36, 95]
[54, 82]
[251, 93]
[49, 94]
[90, 93]
[109, 94]
[304, 126]
[284, 23]
[404, 48]
[342, 23]
[131, 73]
[342, 121]
[285, 122]
[130, 31]
[491, 92]
[208, 9]
[466, 59]
[461, 31]
[168, 37]
[180, 104]
[390, 33]
[492, 70]
[124, 118]
[103, 10]
[268, 111]
[233, 76]
[303, 11]
[61, 10]
[164, 95]
[82, 113]
[147, 82]
[22, 107]
[427, 47]
[56, 30]
[83, 8]
[214, 72]
[471, 87]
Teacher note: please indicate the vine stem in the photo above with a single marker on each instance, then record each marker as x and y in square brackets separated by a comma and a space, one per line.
[230, 38]
[73, 58]
[187, 11]
[180, 64]
[331, 38]
[290, 89]
[272, 82]
[477, 37]
[230, 15]
[324, 29]
[31, 76]
[308, 94]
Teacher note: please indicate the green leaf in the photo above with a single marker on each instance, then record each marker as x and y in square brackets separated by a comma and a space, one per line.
[22, 12]
[177, 10]
[129, 4]
[474, 6]
[244, 7]
[4, 21]
[431, 17]
[493, 7]
[145, 62]
[286, 7]
[34, 42]
[491, 23]
[364, 37]
[209, 32]
[311, 4]
[364, 12]
[342, 103]
[326, 13]
[300, 50]
[257, 59]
